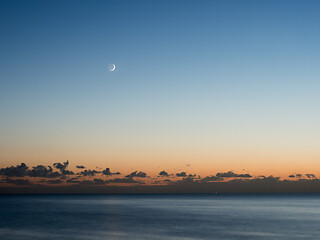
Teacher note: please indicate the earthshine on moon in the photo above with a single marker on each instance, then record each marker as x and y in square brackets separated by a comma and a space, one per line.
[112, 67]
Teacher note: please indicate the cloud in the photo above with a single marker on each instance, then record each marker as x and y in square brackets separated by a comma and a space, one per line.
[192, 175]
[211, 179]
[137, 174]
[182, 174]
[73, 180]
[58, 177]
[231, 174]
[18, 171]
[246, 175]
[89, 172]
[123, 180]
[299, 175]
[189, 179]
[107, 172]
[42, 171]
[269, 179]
[311, 176]
[62, 167]
[67, 172]
[96, 181]
[38, 171]
[19, 182]
[56, 181]
[163, 174]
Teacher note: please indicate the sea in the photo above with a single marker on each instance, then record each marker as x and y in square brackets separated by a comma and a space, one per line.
[196, 216]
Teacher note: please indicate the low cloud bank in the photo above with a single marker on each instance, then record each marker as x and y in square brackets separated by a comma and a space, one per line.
[42, 178]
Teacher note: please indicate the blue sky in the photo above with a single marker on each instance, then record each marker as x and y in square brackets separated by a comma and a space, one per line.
[190, 74]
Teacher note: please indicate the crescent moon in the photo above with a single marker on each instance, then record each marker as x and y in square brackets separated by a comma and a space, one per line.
[112, 67]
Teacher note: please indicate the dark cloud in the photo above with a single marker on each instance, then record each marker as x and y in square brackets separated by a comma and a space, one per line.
[89, 172]
[211, 179]
[231, 174]
[38, 171]
[311, 176]
[137, 174]
[96, 181]
[163, 174]
[246, 175]
[298, 175]
[43, 171]
[56, 181]
[73, 180]
[270, 179]
[182, 174]
[107, 172]
[58, 178]
[189, 184]
[18, 171]
[123, 180]
[189, 179]
[19, 182]
[102, 182]
[67, 172]
[62, 167]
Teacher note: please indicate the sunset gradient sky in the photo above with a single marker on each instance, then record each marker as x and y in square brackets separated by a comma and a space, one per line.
[219, 85]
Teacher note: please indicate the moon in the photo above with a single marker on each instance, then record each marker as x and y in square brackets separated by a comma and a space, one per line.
[112, 67]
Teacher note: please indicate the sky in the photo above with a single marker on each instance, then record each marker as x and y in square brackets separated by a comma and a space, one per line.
[199, 86]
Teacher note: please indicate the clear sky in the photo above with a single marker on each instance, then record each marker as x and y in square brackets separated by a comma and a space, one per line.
[220, 85]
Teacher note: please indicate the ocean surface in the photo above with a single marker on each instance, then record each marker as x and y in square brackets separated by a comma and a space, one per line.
[95, 217]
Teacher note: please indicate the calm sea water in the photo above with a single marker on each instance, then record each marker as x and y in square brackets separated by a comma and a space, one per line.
[96, 217]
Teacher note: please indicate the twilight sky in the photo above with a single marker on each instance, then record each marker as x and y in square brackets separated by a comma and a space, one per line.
[219, 85]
